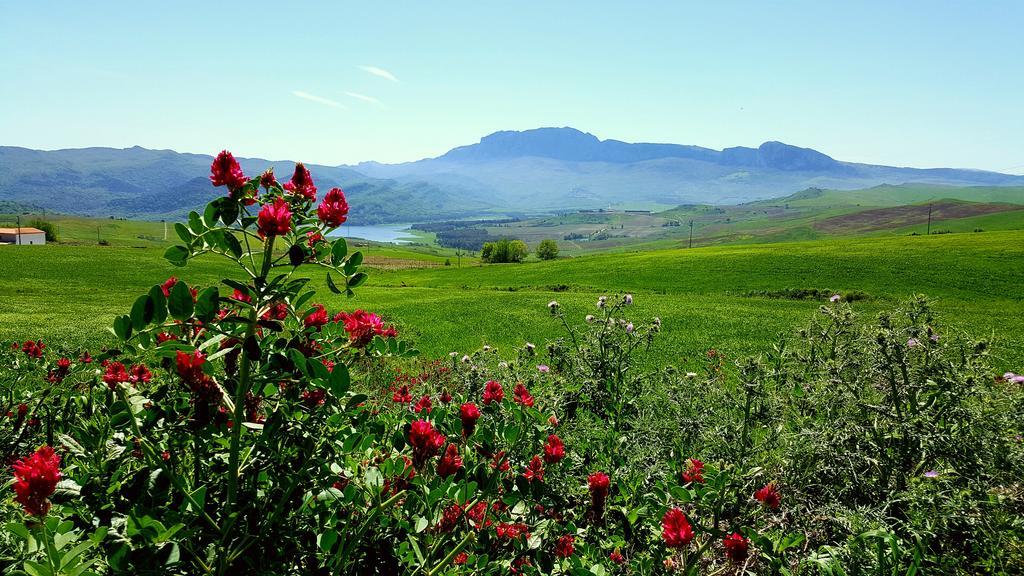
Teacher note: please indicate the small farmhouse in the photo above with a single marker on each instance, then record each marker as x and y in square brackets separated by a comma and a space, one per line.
[23, 235]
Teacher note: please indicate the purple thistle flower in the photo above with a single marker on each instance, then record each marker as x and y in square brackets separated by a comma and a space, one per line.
[931, 474]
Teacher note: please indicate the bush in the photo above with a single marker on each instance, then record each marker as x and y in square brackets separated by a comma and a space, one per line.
[504, 251]
[47, 227]
[547, 250]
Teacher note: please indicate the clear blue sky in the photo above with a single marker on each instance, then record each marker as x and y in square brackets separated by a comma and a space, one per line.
[931, 83]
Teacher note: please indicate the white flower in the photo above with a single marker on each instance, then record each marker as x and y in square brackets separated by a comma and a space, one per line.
[629, 328]
[601, 301]
[487, 348]
[691, 374]
[466, 359]
[589, 318]
[835, 298]
[628, 299]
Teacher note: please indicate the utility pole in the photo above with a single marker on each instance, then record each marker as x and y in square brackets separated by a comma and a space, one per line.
[97, 234]
[165, 230]
[929, 219]
[690, 245]
[17, 239]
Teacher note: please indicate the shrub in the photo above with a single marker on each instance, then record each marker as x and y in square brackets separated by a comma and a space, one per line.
[547, 250]
[47, 227]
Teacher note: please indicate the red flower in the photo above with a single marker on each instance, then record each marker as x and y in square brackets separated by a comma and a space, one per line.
[168, 284]
[312, 238]
[267, 179]
[450, 462]
[402, 395]
[363, 326]
[478, 515]
[493, 392]
[33, 349]
[333, 211]
[554, 450]
[736, 547]
[534, 470]
[500, 463]
[314, 398]
[469, 414]
[522, 395]
[190, 366]
[511, 531]
[278, 311]
[85, 358]
[138, 373]
[768, 496]
[425, 441]
[35, 479]
[114, 374]
[675, 529]
[564, 546]
[450, 518]
[225, 171]
[617, 557]
[301, 183]
[317, 318]
[445, 397]
[598, 482]
[274, 219]
[424, 403]
[694, 471]
[460, 559]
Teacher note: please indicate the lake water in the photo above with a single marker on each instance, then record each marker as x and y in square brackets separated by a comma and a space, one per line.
[395, 233]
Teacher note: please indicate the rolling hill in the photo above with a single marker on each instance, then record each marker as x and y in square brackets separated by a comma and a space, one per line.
[529, 172]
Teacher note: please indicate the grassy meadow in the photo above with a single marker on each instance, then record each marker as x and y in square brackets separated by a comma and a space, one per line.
[725, 297]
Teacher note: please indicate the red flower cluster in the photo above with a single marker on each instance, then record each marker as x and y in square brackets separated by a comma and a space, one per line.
[554, 450]
[450, 462]
[317, 318]
[511, 530]
[478, 516]
[206, 395]
[769, 496]
[274, 219]
[694, 471]
[493, 392]
[564, 546]
[424, 404]
[333, 211]
[534, 470]
[735, 547]
[115, 373]
[450, 517]
[35, 479]
[58, 373]
[301, 183]
[225, 171]
[469, 414]
[363, 326]
[402, 395]
[598, 482]
[617, 557]
[32, 349]
[425, 441]
[675, 529]
[522, 395]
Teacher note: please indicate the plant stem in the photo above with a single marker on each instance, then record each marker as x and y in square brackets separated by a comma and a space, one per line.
[244, 376]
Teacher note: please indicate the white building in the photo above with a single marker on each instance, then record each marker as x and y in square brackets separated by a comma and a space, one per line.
[23, 235]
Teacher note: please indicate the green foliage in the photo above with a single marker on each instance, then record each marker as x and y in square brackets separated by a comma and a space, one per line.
[48, 227]
[504, 251]
[547, 249]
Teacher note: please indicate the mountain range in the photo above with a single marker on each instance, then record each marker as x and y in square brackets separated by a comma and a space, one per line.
[508, 172]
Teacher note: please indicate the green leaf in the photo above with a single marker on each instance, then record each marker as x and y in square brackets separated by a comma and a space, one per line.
[355, 401]
[176, 255]
[228, 212]
[331, 285]
[142, 312]
[183, 232]
[195, 223]
[18, 529]
[211, 213]
[421, 524]
[339, 380]
[338, 251]
[123, 327]
[156, 294]
[121, 419]
[180, 303]
[327, 540]
[37, 569]
[353, 263]
[357, 279]
[207, 304]
[233, 245]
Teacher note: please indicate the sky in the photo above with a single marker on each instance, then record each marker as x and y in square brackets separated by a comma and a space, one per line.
[906, 83]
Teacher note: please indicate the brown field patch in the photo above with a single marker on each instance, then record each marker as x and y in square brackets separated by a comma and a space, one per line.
[899, 216]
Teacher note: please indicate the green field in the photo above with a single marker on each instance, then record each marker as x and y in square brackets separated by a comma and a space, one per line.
[707, 297]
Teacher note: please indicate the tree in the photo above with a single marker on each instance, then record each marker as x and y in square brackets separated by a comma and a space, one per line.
[547, 250]
[504, 250]
[46, 227]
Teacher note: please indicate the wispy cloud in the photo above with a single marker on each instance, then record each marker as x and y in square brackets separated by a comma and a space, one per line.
[317, 99]
[379, 72]
[365, 98]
